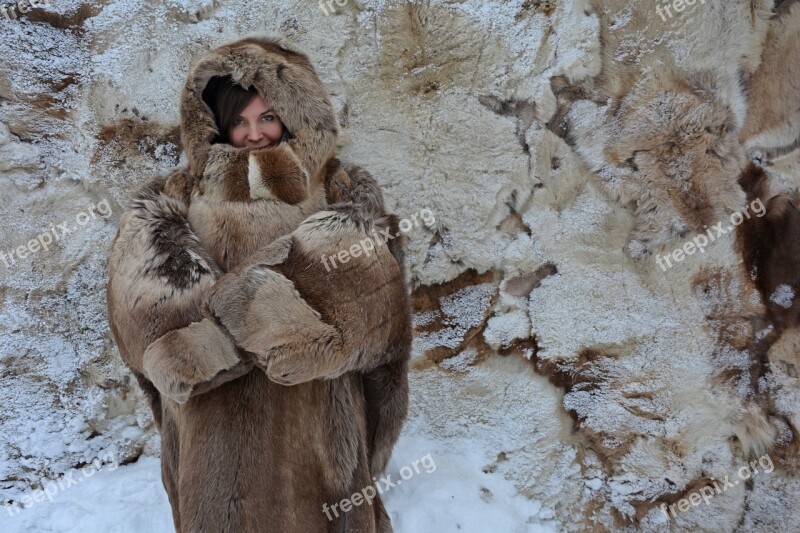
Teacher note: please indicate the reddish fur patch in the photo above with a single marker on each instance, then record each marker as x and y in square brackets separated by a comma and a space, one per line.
[287, 184]
[235, 187]
[770, 246]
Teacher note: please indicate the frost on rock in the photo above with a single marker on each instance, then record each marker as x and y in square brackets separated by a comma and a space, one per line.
[462, 361]
[191, 11]
[783, 296]
[450, 315]
[460, 312]
[504, 329]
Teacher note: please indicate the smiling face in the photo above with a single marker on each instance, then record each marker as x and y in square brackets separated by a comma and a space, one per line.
[257, 126]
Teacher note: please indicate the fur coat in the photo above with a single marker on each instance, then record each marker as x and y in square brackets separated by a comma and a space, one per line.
[278, 384]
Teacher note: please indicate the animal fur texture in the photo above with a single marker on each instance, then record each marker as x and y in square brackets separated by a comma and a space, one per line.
[277, 385]
[660, 125]
[773, 123]
[665, 129]
[770, 247]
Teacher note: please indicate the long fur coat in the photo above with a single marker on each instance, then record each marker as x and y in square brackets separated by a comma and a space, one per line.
[278, 384]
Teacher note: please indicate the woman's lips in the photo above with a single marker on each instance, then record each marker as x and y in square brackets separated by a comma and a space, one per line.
[258, 146]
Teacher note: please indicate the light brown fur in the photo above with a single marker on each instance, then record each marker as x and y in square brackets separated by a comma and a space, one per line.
[773, 117]
[660, 125]
[241, 175]
[262, 421]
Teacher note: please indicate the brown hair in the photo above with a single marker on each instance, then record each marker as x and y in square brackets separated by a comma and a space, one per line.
[227, 99]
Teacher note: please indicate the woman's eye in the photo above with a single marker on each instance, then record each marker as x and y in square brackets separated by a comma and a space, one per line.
[238, 122]
[268, 118]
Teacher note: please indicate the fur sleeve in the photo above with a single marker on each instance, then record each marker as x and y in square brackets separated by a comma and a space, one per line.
[305, 321]
[307, 318]
[159, 275]
[355, 186]
[327, 299]
[386, 386]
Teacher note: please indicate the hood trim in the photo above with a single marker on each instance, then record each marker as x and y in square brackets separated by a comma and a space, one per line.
[284, 78]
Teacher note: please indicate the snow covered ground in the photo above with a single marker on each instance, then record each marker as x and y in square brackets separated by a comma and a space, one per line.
[449, 493]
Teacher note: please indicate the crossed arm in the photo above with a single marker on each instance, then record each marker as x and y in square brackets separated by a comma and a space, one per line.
[159, 275]
[186, 328]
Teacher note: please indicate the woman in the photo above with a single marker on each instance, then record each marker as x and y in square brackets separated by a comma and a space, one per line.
[240, 451]
[243, 117]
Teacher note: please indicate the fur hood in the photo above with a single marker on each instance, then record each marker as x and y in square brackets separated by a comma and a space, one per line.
[285, 78]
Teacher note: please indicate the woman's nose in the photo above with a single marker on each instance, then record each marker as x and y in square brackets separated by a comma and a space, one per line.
[254, 134]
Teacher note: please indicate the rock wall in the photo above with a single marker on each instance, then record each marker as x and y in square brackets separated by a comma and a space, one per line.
[565, 149]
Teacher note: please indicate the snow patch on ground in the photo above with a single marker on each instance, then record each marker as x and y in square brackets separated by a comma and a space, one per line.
[450, 493]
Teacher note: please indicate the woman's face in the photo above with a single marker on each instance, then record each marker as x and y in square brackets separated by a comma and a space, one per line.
[256, 127]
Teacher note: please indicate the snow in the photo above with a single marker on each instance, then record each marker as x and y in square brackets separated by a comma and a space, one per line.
[503, 329]
[458, 495]
[462, 361]
[783, 296]
[448, 491]
[125, 499]
[462, 311]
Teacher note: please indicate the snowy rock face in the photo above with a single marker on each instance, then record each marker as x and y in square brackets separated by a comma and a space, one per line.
[565, 332]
